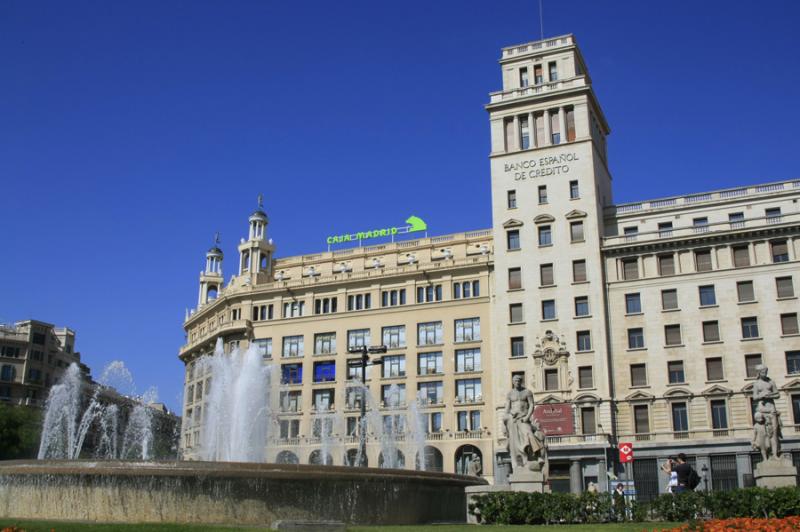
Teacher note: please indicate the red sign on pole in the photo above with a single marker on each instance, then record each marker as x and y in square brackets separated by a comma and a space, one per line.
[625, 452]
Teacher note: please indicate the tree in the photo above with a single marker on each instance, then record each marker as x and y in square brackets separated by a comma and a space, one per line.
[20, 430]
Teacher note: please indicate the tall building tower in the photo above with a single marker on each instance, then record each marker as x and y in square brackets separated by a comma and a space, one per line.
[211, 278]
[550, 182]
[255, 253]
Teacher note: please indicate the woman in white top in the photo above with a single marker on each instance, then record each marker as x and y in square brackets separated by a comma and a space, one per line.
[673, 475]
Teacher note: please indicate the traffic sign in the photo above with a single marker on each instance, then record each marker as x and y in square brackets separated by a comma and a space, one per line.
[625, 452]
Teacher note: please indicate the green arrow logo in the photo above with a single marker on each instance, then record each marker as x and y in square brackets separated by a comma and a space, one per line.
[416, 224]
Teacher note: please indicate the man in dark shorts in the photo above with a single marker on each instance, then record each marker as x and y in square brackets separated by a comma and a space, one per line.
[684, 470]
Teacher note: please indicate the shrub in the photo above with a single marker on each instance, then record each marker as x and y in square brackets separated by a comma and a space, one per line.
[516, 508]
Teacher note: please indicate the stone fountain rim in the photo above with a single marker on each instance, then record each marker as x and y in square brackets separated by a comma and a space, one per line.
[228, 470]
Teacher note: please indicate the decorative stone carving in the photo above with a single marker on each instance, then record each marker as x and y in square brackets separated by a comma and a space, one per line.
[550, 348]
[767, 426]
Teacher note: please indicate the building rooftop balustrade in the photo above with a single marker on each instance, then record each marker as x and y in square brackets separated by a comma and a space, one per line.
[641, 207]
[535, 47]
[9, 332]
[536, 90]
[706, 229]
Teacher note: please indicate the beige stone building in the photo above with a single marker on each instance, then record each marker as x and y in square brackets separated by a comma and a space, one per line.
[638, 322]
[33, 356]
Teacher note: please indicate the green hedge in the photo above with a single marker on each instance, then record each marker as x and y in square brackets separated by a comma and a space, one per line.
[514, 508]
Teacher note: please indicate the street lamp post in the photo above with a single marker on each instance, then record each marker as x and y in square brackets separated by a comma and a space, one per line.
[364, 351]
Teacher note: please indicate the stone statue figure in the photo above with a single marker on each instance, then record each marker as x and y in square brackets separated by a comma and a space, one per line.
[526, 442]
[762, 436]
[474, 467]
[766, 433]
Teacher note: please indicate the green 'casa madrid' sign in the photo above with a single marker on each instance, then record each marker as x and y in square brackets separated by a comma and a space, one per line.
[414, 224]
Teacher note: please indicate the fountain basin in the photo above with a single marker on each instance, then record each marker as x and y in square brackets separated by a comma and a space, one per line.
[227, 493]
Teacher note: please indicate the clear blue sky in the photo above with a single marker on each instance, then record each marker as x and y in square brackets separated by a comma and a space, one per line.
[131, 131]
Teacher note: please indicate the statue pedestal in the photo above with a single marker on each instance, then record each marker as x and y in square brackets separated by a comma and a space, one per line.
[776, 473]
[528, 481]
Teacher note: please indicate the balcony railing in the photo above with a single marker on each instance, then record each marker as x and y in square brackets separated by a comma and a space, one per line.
[692, 434]
[694, 199]
[577, 439]
[690, 230]
[541, 88]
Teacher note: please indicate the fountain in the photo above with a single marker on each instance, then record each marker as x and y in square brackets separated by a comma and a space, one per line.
[75, 411]
[232, 484]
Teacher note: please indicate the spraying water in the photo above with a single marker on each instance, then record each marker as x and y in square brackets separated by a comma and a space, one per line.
[238, 414]
[74, 410]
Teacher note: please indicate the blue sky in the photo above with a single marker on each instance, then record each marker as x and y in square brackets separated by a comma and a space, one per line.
[131, 132]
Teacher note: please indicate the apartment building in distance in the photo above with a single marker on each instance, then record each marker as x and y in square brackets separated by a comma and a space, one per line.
[33, 356]
[639, 322]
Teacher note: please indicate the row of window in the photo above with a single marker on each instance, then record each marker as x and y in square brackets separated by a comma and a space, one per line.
[537, 129]
[736, 220]
[389, 298]
[429, 333]
[548, 306]
[740, 258]
[680, 416]
[707, 296]
[428, 393]
[547, 275]
[9, 351]
[466, 360]
[466, 420]
[714, 369]
[538, 74]
[574, 193]
[545, 235]
[710, 330]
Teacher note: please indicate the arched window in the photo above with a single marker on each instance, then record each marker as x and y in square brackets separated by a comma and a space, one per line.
[399, 461]
[433, 460]
[465, 455]
[351, 458]
[318, 458]
[287, 457]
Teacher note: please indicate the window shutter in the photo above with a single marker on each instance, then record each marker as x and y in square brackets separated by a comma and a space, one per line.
[666, 264]
[703, 259]
[741, 257]
[710, 331]
[789, 323]
[669, 299]
[673, 334]
[630, 269]
[579, 271]
[641, 419]
[570, 112]
[785, 287]
[547, 274]
[745, 291]
[714, 369]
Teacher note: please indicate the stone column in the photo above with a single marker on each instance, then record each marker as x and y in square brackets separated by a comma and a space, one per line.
[575, 477]
[548, 136]
[531, 131]
[562, 125]
[516, 133]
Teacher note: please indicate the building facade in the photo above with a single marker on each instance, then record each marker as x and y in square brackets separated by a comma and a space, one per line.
[638, 322]
[33, 356]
